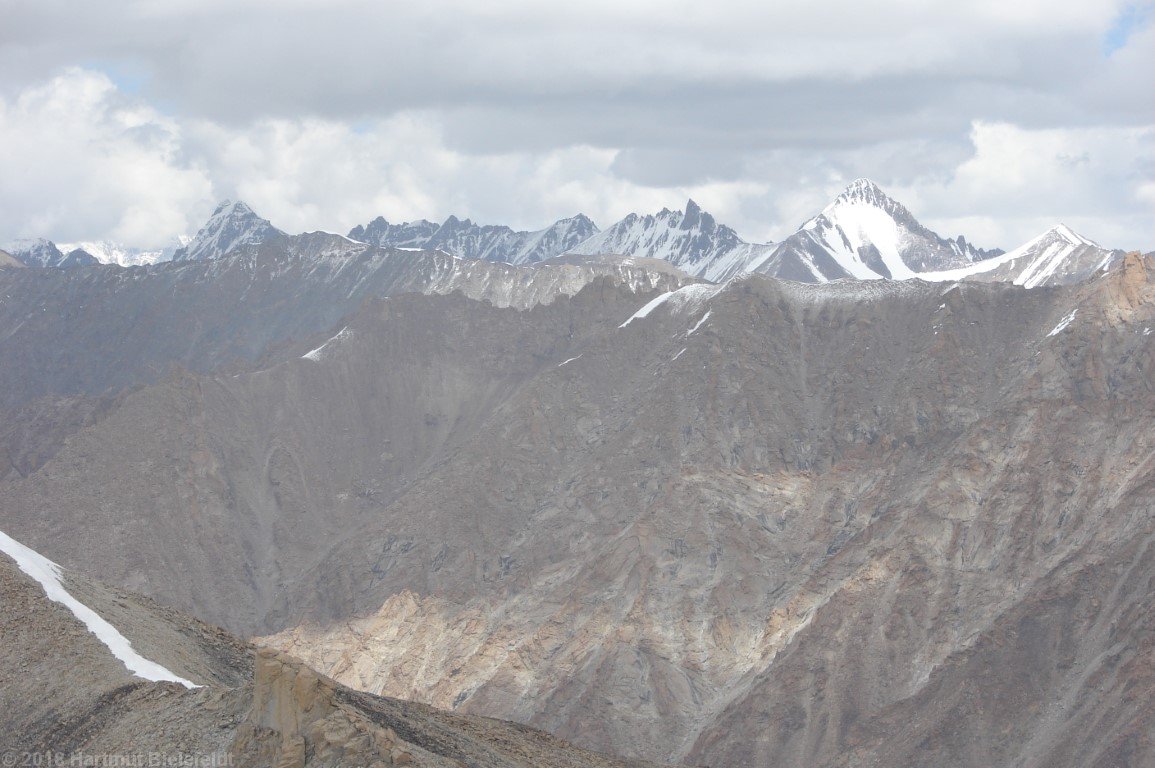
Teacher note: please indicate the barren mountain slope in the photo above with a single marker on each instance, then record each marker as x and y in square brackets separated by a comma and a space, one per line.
[652, 527]
[216, 493]
[65, 699]
[111, 328]
[748, 525]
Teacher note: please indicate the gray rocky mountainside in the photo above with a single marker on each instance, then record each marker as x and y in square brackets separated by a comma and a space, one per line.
[467, 240]
[763, 523]
[8, 261]
[67, 700]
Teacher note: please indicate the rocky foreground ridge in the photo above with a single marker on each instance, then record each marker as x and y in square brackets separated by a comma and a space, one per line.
[66, 700]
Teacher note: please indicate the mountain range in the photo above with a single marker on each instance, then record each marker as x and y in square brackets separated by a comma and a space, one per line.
[862, 234]
[867, 496]
[45, 253]
[467, 240]
[108, 252]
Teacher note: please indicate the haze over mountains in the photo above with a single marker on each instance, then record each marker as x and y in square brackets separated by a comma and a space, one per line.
[862, 234]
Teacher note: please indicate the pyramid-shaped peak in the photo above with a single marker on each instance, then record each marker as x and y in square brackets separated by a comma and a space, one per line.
[227, 207]
[863, 190]
[1070, 235]
[866, 192]
[232, 224]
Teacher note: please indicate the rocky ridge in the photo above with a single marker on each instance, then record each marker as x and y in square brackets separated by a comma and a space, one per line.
[464, 239]
[1059, 256]
[117, 327]
[65, 697]
[692, 241]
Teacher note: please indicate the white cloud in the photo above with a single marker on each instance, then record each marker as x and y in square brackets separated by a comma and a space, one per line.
[990, 118]
[77, 154]
[1020, 182]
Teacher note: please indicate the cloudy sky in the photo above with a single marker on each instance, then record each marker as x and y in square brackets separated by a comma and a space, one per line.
[128, 119]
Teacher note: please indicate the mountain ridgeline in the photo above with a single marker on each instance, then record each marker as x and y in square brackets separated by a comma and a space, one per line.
[467, 240]
[862, 234]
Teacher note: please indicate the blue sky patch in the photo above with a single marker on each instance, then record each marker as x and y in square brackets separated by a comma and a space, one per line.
[1131, 18]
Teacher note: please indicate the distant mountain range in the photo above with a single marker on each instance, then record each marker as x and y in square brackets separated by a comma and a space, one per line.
[863, 234]
[108, 252]
[39, 252]
[467, 240]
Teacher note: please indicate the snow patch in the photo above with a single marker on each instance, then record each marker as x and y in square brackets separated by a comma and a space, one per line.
[47, 573]
[698, 325]
[559, 365]
[316, 356]
[1063, 323]
[689, 296]
[649, 307]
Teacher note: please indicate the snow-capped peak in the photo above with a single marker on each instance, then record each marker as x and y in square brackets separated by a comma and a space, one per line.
[1059, 255]
[862, 189]
[38, 252]
[232, 225]
[1068, 234]
[866, 192]
[109, 252]
[865, 234]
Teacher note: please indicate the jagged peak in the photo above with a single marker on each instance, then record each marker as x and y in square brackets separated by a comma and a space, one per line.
[866, 191]
[695, 217]
[578, 218]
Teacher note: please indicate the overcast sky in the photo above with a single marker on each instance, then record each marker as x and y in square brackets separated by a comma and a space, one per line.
[128, 119]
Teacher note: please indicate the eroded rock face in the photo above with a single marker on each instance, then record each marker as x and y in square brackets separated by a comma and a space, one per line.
[771, 548]
[296, 719]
